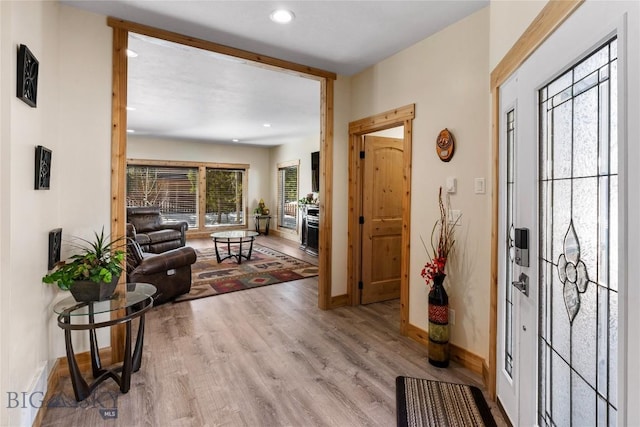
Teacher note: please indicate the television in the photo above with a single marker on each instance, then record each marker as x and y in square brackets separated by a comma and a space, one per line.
[315, 171]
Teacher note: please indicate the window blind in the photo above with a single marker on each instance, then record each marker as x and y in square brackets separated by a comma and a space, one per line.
[288, 197]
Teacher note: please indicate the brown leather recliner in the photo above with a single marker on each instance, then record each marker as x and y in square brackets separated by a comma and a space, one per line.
[152, 234]
[169, 272]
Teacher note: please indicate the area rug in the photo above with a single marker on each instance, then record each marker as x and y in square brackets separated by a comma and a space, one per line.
[266, 267]
[423, 402]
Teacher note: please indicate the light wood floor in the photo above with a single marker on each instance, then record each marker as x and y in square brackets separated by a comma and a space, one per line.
[264, 357]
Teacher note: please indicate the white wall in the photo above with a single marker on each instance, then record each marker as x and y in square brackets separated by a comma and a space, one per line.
[140, 147]
[508, 20]
[73, 120]
[340, 213]
[300, 151]
[445, 76]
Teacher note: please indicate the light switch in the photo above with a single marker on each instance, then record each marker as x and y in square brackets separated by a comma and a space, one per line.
[451, 185]
[479, 186]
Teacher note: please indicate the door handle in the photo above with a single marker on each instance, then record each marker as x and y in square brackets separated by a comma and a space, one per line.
[522, 284]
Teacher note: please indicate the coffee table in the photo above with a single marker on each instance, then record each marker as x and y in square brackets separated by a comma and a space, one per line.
[122, 308]
[234, 236]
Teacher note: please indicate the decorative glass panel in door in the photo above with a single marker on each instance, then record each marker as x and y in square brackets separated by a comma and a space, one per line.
[578, 292]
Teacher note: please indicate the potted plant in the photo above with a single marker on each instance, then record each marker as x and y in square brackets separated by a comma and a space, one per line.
[93, 273]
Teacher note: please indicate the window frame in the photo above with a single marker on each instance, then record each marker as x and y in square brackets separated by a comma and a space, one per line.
[279, 167]
[202, 167]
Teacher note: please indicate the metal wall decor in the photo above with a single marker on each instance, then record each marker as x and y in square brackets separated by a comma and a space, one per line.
[55, 244]
[27, 81]
[445, 145]
[43, 168]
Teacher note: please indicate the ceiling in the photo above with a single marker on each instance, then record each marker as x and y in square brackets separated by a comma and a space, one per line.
[187, 93]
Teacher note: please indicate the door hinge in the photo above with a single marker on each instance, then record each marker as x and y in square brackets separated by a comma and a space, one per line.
[360, 284]
[362, 154]
[361, 220]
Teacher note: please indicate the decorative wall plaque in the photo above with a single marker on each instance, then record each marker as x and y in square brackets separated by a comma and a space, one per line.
[27, 81]
[445, 145]
[43, 168]
[55, 245]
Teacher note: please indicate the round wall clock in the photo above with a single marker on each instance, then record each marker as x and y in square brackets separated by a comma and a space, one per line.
[445, 145]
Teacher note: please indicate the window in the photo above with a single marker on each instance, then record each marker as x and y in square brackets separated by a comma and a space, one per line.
[172, 189]
[288, 195]
[225, 204]
[180, 189]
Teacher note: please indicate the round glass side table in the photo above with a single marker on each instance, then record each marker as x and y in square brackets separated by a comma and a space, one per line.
[123, 307]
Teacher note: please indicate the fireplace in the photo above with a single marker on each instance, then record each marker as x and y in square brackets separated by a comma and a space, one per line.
[310, 229]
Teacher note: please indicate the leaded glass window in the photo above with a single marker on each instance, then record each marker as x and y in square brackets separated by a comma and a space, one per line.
[509, 262]
[578, 244]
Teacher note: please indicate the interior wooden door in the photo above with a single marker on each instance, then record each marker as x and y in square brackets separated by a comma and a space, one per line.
[382, 214]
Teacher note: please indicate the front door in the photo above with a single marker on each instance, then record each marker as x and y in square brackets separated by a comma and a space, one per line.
[382, 218]
[558, 309]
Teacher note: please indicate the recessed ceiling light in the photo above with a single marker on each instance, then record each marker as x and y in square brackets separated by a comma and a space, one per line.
[131, 54]
[235, 140]
[267, 125]
[131, 108]
[282, 16]
[131, 131]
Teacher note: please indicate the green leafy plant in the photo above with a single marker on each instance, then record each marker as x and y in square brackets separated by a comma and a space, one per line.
[98, 261]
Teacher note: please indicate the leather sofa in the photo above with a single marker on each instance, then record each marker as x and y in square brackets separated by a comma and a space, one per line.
[169, 272]
[152, 234]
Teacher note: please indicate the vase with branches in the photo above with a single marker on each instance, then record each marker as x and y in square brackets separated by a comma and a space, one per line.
[442, 244]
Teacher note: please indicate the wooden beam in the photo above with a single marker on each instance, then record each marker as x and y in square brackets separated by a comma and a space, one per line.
[326, 195]
[261, 60]
[118, 164]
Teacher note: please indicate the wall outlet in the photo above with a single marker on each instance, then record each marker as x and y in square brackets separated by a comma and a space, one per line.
[452, 317]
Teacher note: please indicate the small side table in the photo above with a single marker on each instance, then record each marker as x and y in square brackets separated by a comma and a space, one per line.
[234, 236]
[267, 219]
[137, 300]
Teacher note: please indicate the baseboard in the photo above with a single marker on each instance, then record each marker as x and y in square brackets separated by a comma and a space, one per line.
[339, 301]
[469, 360]
[84, 361]
[61, 369]
[486, 377]
[52, 384]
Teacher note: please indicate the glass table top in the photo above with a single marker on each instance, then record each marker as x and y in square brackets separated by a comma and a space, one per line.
[234, 234]
[136, 293]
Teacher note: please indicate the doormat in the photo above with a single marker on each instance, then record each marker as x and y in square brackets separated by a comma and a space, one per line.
[266, 267]
[421, 402]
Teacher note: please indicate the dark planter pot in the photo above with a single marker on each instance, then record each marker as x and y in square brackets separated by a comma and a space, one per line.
[87, 291]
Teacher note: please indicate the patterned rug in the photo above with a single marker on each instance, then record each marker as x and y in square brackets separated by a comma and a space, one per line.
[435, 403]
[266, 267]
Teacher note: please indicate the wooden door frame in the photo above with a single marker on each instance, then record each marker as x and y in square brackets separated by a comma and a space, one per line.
[402, 116]
[121, 29]
[548, 20]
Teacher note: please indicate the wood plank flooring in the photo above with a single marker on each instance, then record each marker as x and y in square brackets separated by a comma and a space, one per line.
[264, 357]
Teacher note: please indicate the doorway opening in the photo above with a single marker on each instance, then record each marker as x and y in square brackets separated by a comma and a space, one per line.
[401, 117]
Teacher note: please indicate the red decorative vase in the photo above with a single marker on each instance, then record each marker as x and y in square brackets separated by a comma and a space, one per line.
[438, 323]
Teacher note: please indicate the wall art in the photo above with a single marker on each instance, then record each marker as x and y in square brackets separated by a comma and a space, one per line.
[43, 168]
[27, 87]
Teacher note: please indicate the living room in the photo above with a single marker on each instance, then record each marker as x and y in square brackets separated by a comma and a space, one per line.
[445, 75]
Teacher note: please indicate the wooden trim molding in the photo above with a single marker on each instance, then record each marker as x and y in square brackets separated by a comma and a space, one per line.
[548, 20]
[462, 356]
[118, 163]
[52, 384]
[326, 194]
[184, 164]
[121, 31]
[402, 116]
[339, 301]
[261, 60]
